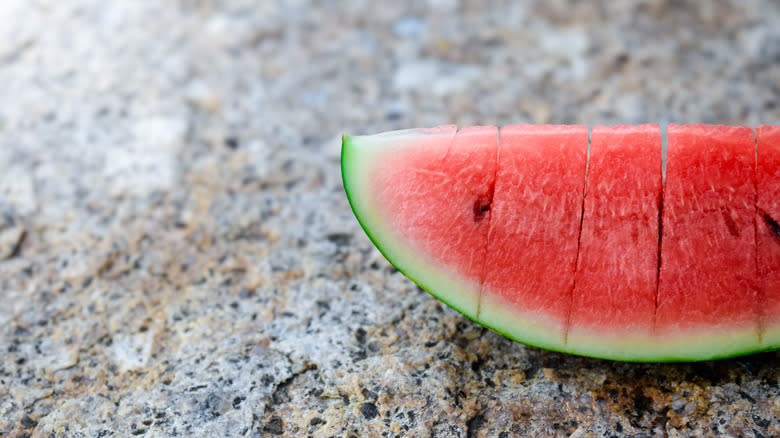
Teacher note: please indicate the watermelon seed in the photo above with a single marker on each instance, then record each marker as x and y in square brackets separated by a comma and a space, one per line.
[773, 225]
[730, 224]
[481, 207]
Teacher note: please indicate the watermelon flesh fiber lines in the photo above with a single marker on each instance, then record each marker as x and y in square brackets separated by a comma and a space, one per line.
[615, 282]
[518, 230]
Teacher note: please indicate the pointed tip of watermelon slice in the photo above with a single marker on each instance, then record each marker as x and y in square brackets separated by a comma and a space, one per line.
[359, 156]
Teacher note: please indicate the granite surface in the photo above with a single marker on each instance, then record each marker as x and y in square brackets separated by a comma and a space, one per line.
[177, 256]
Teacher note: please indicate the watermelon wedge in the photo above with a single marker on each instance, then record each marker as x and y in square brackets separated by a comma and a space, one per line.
[522, 231]
[541, 179]
[707, 292]
[617, 268]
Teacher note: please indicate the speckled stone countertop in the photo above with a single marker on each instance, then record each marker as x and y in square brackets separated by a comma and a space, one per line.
[177, 256]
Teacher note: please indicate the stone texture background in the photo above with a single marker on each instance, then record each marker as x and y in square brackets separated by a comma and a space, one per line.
[177, 256]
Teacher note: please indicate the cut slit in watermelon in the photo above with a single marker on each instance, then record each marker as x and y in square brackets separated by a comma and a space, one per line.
[493, 225]
[547, 159]
[768, 230]
[616, 279]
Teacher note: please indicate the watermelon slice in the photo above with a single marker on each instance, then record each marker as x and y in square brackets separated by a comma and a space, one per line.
[617, 270]
[541, 178]
[768, 231]
[521, 233]
[422, 195]
[707, 296]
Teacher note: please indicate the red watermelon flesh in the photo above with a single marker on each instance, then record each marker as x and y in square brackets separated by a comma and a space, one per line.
[439, 196]
[617, 270]
[532, 248]
[708, 264]
[768, 230]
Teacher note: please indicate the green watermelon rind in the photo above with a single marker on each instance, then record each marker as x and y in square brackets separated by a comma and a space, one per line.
[602, 346]
[433, 280]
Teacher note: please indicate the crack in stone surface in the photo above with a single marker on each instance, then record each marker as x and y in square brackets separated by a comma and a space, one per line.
[276, 397]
